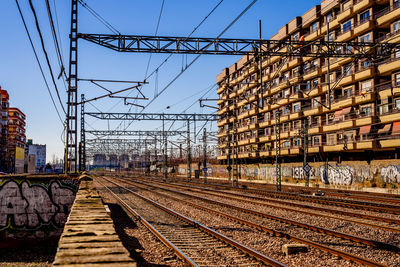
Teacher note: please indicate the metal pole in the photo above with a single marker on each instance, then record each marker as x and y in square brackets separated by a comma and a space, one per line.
[260, 65]
[188, 152]
[329, 66]
[278, 150]
[305, 150]
[205, 154]
[165, 151]
[82, 162]
[234, 148]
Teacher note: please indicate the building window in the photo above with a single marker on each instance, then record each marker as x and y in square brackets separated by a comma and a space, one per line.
[286, 144]
[365, 64]
[366, 87]
[364, 16]
[296, 142]
[331, 36]
[315, 102]
[316, 140]
[397, 104]
[329, 17]
[396, 26]
[296, 107]
[314, 26]
[296, 36]
[346, 26]
[397, 79]
[348, 92]
[365, 38]
[331, 139]
[346, 5]
[366, 111]
[286, 110]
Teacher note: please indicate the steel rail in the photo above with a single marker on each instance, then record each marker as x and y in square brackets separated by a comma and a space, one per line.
[346, 213]
[272, 232]
[372, 243]
[151, 228]
[261, 201]
[207, 230]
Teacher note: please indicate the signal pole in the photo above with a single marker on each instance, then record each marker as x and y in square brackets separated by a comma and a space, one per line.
[188, 152]
[205, 154]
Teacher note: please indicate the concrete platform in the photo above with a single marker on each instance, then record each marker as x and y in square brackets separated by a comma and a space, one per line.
[89, 237]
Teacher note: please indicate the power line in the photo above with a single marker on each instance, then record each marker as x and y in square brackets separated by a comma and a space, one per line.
[99, 17]
[37, 60]
[198, 56]
[45, 53]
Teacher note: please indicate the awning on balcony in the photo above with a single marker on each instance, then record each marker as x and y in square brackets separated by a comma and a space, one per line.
[365, 129]
[338, 115]
[345, 111]
[385, 129]
[396, 128]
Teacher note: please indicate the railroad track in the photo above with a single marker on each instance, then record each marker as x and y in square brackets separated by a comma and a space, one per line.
[367, 220]
[194, 243]
[347, 203]
[273, 232]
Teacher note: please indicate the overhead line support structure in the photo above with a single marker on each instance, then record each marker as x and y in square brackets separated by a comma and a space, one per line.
[71, 153]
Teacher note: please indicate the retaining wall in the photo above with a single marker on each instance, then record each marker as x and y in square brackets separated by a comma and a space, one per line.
[377, 173]
[34, 207]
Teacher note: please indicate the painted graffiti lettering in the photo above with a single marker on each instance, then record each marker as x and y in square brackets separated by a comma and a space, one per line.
[390, 174]
[34, 205]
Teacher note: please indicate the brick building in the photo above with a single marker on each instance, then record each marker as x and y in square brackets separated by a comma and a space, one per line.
[364, 120]
[16, 139]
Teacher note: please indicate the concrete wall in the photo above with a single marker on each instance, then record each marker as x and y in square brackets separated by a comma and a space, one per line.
[378, 173]
[34, 208]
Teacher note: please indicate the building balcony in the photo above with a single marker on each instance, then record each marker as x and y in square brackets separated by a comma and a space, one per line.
[222, 134]
[222, 122]
[364, 121]
[295, 62]
[345, 14]
[314, 72]
[367, 144]
[363, 27]
[388, 91]
[390, 117]
[330, 128]
[386, 16]
[333, 148]
[220, 101]
[362, 5]
[316, 91]
[360, 99]
[315, 130]
[265, 154]
[312, 111]
[314, 149]
[265, 139]
[264, 124]
[244, 155]
[364, 74]
[345, 124]
[284, 135]
[333, 24]
[294, 115]
[222, 157]
[346, 80]
[345, 36]
[343, 102]
[243, 142]
[221, 89]
[233, 94]
[389, 66]
[395, 142]
[284, 118]
[285, 151]
[295, 151]
[312, 36]
[295, 79]
[222, 111]
[295, 133]
[253, 140]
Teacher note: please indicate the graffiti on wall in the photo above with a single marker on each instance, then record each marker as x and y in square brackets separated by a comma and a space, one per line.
[390, 174]
[25, 205]
[299, 173]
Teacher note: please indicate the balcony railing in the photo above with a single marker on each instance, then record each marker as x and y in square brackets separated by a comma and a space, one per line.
[387, 10]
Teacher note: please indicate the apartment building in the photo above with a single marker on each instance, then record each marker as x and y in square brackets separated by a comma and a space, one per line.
[363, 121]
[16, 139]
[4, 102]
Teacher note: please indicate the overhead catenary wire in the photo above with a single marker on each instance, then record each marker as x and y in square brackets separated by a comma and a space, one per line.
[99, 17]
[45, 53]
[38, 62]
[198, 56]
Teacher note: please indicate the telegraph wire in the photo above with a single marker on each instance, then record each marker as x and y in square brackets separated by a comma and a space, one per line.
[45, 53]
[38, 62]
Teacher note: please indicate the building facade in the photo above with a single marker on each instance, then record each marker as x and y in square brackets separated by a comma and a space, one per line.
[39, 153]
[16, 139]
[364, 119]
[4, 102]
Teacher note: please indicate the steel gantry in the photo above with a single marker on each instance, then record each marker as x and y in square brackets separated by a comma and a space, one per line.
[153, 116]
[260, 48]
[133, 133]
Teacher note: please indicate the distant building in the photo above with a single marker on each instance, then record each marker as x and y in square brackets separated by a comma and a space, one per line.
[16, 139]
[39, 151]
[4, 102]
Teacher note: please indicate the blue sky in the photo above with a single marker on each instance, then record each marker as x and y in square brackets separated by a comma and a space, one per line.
[20, 75]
